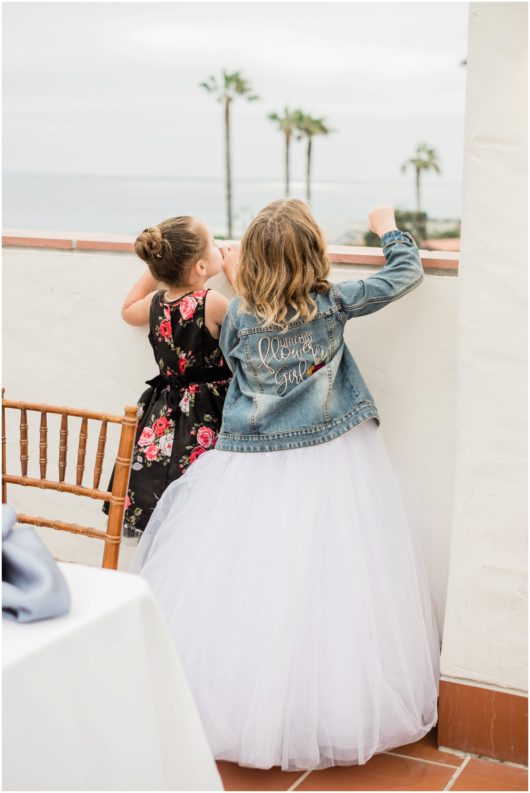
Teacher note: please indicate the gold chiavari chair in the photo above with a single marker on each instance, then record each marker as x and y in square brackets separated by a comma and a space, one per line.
[112, 535]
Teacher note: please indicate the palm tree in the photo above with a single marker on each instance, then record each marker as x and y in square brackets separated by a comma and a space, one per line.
[424, 159]
[288, 125]
[307, 127]
[230, 86]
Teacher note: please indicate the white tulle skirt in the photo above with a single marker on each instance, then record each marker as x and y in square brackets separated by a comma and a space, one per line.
[298, 601]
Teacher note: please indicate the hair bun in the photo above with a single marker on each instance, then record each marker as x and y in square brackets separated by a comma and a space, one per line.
[150, 244]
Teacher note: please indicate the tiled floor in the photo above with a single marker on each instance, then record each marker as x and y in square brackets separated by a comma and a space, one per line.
[417, 766]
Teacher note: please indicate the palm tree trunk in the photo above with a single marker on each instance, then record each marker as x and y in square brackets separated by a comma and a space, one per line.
[308, 168]
[287, 163]
[228, 164]
[418, 201]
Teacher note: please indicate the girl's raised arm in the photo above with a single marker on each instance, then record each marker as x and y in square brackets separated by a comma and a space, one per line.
[402, 272]
[215, 310]
[135, 308]
[230, 254]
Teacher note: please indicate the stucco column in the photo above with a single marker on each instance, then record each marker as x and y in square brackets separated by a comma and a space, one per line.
[484, 636]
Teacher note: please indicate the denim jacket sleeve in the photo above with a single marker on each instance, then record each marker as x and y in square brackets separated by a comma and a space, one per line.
[402, 272]
[228, 337]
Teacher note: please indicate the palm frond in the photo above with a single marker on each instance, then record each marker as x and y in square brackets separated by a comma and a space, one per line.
[309, 126]
[210, 84]
[231, 84]
[425, 158]
[287, 122]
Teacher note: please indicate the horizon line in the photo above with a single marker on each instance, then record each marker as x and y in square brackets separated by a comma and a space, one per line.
[188, 178]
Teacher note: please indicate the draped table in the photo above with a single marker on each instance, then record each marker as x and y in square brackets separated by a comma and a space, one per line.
[97, 700]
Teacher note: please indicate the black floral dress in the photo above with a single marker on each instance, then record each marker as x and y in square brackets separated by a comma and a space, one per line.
[180, 413]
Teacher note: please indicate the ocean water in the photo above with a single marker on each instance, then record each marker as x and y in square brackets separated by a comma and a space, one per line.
[127, 204]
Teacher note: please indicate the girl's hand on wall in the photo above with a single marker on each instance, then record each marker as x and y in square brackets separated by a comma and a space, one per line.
[382, 219]
[230, 254]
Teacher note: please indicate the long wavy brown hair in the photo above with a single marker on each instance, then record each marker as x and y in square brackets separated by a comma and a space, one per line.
[282, 259]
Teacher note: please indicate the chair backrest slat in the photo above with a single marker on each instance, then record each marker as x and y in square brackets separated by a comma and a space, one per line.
[100, 453]
[63, 446]
[24, 442]
[81, 451]
[43, 457]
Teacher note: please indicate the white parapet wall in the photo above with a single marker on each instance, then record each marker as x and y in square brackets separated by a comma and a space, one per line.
[65, 344]
[486, 620]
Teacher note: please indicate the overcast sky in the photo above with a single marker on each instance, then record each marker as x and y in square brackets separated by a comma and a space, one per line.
[112, 88]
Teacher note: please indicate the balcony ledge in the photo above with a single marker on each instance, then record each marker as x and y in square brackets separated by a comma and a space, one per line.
[434, 262]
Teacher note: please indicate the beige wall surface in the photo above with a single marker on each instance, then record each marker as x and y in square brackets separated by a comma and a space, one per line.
[66, 344]
[486, 619]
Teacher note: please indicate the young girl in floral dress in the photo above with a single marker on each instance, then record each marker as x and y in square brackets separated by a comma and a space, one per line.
[180, 413]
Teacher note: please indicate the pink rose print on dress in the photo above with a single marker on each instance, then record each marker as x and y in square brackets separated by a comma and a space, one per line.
[182, 364]
[187, 307]
[206, 437]
[160, 425]
[146, 437]
[127, 502]
[165, 329]
[198, 450]
[151, 452]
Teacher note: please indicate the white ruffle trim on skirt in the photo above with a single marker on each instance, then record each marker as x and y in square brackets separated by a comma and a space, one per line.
[298, 602]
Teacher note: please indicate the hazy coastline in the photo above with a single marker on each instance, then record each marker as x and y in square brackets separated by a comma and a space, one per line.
[126, 204]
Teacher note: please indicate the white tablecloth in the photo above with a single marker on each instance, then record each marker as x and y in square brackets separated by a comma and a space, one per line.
[97, 700]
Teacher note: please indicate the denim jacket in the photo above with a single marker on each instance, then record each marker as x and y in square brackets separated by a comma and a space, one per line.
[301, 386]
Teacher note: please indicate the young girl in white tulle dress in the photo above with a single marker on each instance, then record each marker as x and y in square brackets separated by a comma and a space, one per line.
[282, 560]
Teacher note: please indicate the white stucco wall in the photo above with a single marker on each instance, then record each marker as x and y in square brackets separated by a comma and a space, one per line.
[65, 343]
[486, 621]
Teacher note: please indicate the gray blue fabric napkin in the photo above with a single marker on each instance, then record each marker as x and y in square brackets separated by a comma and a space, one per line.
[33, 587]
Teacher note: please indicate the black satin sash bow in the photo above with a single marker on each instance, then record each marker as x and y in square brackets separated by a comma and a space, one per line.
[194, 374]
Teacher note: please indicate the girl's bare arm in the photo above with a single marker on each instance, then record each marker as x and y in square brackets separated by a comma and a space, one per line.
[215, 310]
[135, 308]
[230, 254]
